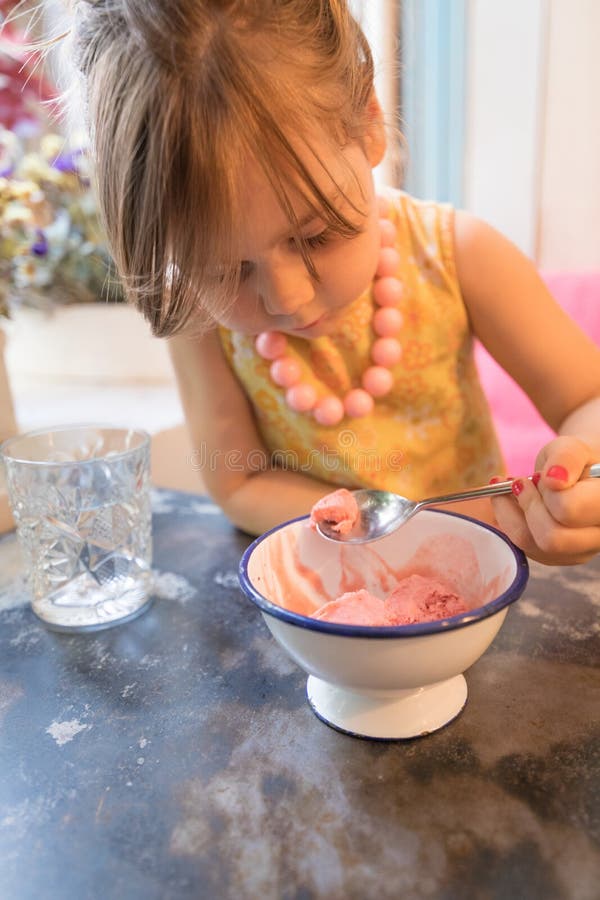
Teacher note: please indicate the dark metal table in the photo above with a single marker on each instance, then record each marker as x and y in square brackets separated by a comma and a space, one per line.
[176, 756]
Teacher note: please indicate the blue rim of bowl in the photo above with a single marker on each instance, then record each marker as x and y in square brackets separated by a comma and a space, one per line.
[439, 626]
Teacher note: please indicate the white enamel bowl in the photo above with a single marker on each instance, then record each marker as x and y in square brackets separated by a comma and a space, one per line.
[385, 682]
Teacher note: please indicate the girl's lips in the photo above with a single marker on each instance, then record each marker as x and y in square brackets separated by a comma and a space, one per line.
[309, 326]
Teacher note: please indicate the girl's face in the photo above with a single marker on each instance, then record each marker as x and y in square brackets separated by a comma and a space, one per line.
[277, 292]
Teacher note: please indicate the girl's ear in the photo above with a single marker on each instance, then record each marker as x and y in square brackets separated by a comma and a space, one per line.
[375, 140]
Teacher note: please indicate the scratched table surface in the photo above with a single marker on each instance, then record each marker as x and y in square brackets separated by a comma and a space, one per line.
[176, 756]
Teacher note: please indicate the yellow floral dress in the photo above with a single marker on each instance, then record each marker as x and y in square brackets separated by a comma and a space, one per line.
[433, 432]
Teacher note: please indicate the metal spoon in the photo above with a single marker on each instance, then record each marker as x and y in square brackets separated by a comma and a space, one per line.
[381, 512]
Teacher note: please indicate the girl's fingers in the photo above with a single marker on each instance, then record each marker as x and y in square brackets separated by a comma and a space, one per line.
[556, 540]
[562, 461]
[511, 520]
[555, 518]
[579, 507]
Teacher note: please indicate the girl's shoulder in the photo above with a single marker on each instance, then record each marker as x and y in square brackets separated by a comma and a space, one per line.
[407, 207]
[426, 226]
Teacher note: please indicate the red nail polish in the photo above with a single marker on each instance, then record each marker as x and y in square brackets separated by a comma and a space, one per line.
[535, 478]
[517, 487]
[558, 472]
[495, 480]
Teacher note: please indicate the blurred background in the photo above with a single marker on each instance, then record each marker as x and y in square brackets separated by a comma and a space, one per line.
[497, 103]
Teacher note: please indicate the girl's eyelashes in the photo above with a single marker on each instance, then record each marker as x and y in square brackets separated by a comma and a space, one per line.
[327, 236]
[313, 241]
[318, 240]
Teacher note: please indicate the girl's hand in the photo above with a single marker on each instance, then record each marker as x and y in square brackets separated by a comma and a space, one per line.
[555, 518]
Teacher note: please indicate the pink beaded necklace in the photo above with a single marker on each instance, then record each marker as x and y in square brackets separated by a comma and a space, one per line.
[377, 379]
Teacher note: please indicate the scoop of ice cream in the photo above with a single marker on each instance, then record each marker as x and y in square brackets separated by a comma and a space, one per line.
[414, 599]
[338, 509]
[354, 608]
[420, 599]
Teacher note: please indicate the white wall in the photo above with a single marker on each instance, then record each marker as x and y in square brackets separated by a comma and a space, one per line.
[504, 107]
[569, 213]
[532, 160]
[379, 21]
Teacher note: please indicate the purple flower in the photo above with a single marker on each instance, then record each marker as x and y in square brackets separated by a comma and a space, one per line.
[66, 162]
[40, 246]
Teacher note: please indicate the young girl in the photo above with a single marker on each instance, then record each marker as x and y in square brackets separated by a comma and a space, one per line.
[321, 336]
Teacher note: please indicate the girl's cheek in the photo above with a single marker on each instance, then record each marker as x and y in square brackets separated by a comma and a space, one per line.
[245, 314]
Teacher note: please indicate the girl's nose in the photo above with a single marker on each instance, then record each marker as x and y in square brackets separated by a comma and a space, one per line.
[286, 287]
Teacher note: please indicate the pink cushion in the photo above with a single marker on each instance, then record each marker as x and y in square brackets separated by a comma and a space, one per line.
[521, 429]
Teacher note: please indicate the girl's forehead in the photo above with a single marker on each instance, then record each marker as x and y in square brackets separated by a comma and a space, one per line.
[262, 221]
[337, 173]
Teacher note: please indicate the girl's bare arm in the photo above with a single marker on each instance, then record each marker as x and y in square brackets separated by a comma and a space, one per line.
[235, 463]
[558, 366]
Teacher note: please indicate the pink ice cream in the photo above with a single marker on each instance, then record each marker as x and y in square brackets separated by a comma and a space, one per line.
[414, 599]
[354, 608]
[338, 509]
[419, 599]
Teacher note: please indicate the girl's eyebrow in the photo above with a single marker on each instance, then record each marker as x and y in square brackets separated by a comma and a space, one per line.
[337, 197]
[307, 219]
[289, 232]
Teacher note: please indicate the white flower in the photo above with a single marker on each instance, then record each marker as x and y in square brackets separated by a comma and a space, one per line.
[29, 271]
[57, 232]
[9, 148]
[17, 215]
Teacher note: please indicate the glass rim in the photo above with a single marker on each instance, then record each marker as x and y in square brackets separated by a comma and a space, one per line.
[5, 445]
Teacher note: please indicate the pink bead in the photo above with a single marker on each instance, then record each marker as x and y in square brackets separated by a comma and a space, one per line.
[285, 371]
[301, 397]
[387, 321]
[386, 351]
[329, 411]
[377, 381]
[384, 207]
[389, 260]
[270, 344]
[388, 233]
[387, 291]
[358, 403]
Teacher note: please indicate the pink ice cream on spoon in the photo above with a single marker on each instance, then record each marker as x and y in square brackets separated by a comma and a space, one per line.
[338, 509]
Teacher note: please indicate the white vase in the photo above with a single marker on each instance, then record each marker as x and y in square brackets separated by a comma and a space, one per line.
[86, 342]
[8, 427]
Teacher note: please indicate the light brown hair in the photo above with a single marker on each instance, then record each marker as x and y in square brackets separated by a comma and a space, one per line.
[179, 94]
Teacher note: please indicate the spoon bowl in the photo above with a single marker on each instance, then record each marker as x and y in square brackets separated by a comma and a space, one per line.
[382, 512]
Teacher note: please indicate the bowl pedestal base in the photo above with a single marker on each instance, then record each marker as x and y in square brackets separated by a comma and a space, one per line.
[388, 715]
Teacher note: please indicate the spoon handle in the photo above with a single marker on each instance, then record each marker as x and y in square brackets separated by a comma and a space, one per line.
[490, 490]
